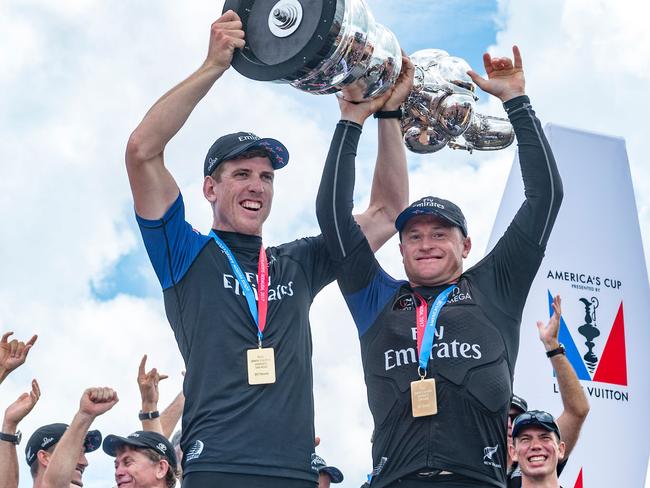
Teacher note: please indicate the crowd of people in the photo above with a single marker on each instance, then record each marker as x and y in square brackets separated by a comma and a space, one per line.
[56, 453]
[538, 444]
[438, 349]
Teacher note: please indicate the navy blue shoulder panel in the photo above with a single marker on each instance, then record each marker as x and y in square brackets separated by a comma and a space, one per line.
[367, 303]
[172, 244]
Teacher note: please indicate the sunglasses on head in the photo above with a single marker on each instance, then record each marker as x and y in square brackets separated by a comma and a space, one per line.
[533, 417]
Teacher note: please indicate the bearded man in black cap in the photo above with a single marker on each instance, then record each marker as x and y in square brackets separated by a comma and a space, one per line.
[240, 312]
[439, 349]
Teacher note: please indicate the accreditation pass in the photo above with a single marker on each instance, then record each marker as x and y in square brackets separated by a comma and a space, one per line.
[261, 366]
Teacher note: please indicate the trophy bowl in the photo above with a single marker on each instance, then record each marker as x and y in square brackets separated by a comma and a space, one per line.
[335, 46]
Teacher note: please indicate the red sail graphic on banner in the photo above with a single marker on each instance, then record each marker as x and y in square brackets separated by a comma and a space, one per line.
[579, 480]
[612, 367]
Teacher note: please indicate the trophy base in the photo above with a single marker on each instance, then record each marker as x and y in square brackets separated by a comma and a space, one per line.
[285, 39]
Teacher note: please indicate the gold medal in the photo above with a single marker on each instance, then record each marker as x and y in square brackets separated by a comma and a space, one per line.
[261, 366]
[423, 397]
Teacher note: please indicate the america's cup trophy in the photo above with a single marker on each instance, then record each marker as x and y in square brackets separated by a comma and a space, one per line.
[335, 46]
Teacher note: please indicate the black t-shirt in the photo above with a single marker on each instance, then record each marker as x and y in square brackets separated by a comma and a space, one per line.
[228, 425]
[477, 335]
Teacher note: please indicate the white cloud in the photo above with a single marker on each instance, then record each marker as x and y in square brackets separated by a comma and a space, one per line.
[587, 66]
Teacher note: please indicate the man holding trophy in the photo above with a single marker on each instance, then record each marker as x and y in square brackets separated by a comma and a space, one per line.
[240, 312]
[439, 349]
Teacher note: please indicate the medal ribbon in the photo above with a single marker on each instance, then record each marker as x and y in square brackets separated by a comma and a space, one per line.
[426, 327]
[258, 310]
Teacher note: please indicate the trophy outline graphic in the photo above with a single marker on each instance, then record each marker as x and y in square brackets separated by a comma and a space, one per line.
[589, 330]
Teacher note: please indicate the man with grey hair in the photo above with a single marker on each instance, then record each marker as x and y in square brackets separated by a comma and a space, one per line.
[143, 459]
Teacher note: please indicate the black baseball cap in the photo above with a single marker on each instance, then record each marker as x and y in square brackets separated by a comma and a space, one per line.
[439, 207]
[519, 403]
[535, 418]
[232, 145]
[143, 439]
[319, 464]
[48, 435]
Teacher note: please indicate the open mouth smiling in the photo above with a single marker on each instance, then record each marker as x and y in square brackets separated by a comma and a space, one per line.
[251, 205]
[537, 459]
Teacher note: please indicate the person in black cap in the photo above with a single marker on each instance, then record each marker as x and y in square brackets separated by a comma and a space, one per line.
[517, 406]
[537, 448]
[56, 453]
[240, 312]
[439, 349]
[143, 459]
[574, 401]
[326, 474]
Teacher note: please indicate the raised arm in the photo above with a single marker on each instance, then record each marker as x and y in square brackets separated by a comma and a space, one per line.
[542, 183]
[148, 385]
[94, 402]
[335, 195]
[153, 187]
[13, 415]
[574, 400]
[171, 415]
[389, 194]
[13, 353]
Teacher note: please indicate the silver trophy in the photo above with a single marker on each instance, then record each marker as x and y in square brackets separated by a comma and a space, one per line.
[335, 46]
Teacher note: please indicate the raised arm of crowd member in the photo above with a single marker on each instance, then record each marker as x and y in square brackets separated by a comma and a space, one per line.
[334, 207]
[574, 400]
[171, 415]
[65, 458]
[390, 189]
[148, 385]
[10, 436]
[13, 353]
[153, 187]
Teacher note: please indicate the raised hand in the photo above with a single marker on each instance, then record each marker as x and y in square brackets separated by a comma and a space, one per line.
[505, 77]
[148, 383]
[19, 409]
[96, 401]
[359, 111]
[226, 35]
[13, 353]
[548, 333]
[402, 87]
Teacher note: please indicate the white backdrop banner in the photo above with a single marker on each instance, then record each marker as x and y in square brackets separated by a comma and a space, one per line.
[595, 261]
